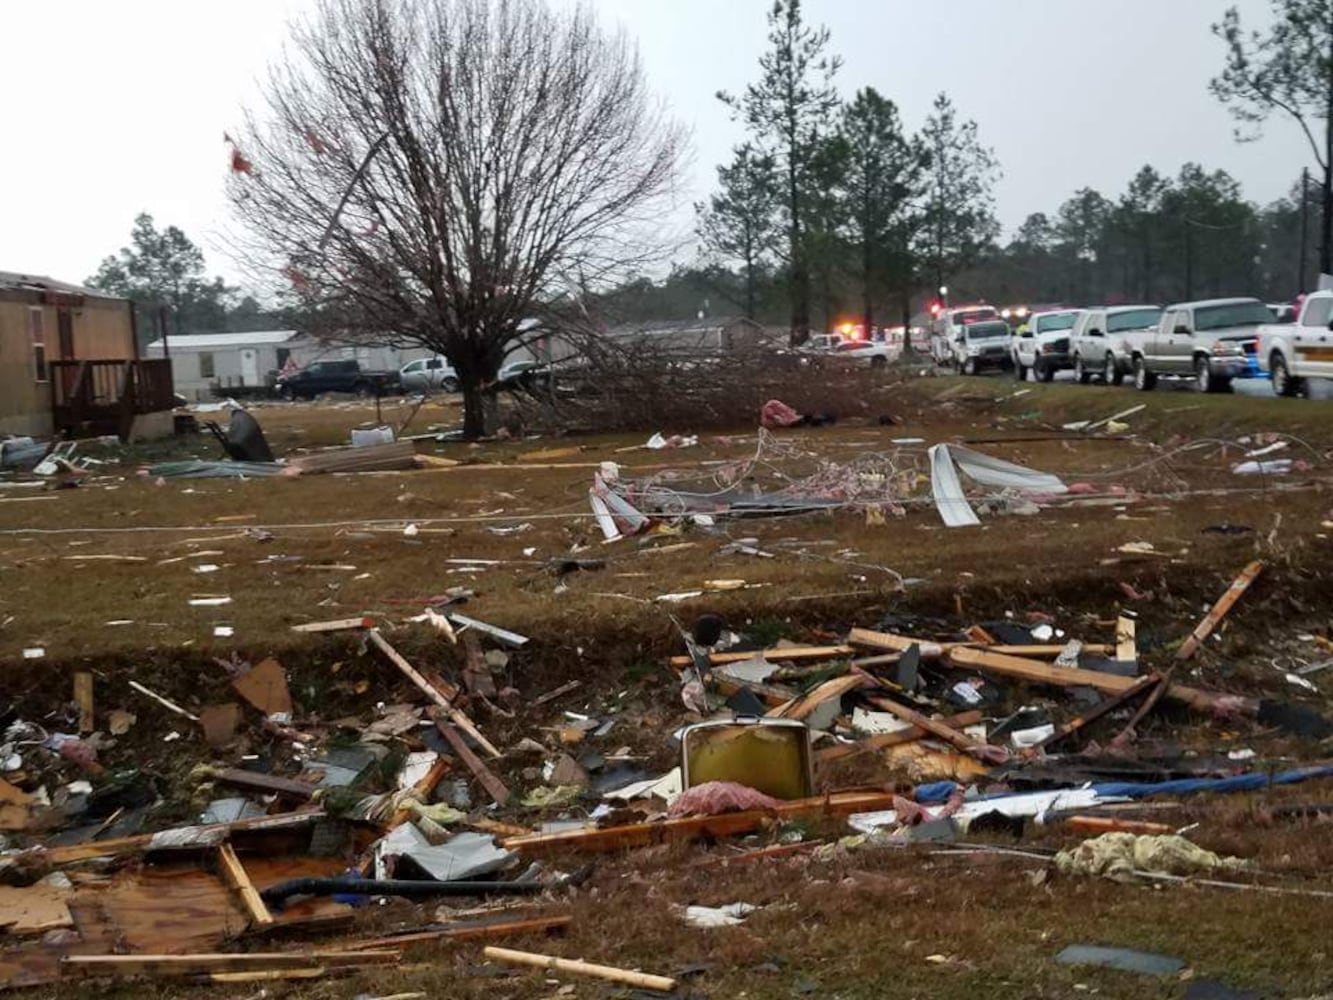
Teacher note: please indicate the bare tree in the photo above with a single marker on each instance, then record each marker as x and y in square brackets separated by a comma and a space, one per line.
[1287, 71]
[440, 169]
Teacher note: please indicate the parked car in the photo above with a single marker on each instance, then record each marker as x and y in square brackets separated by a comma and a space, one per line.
[1292, 352]
[980, 346]
[333, 376]
[877, 354]
[1042, 344]
[949, 323]
[1100, 341]
[1213, 340]
[428, 375]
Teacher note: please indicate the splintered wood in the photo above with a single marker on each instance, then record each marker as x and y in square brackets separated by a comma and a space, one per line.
[1219, 611]
[415, 676]
[234, 874]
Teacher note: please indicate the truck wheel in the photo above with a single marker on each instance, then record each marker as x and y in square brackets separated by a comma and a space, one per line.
[1020, 370]
[1082, 374]
[1111, 373]
[361, 390]
[969, 367]
[879, 362]
[1283, 383]
[449, 385]
[1044, 372]
[1144, 380]
[1203, 376]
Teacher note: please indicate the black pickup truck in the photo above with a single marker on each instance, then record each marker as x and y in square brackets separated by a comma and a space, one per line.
[334, 376]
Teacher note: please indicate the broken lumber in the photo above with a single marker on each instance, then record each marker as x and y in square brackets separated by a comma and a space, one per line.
[83, 697]
[799, 708]
[1219, 610]
[1036, 672]
[234, 874]
[941, 731]
[1126, 642]
[575, 967]
[881, 741]
[468, 931]
[685, 828]
[934, 650]
[563, 689]
[210, 963]
[337, 625]
[891, 643]
[1140, 685]
[171, 705]
[773, 695]
[300, 790]
[179, 837]
[459, 718]
[1110, 824]
[779, 654]
[495, 788]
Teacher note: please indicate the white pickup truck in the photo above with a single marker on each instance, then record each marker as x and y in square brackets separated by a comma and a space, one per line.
[1290, 353]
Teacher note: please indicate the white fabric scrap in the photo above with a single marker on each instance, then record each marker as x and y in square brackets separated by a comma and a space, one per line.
[718, 916]
[877, 723]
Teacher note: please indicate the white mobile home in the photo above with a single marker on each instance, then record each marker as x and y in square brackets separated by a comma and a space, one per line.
[215, 364]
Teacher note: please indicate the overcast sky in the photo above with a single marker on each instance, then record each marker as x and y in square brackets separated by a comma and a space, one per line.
[113, 107]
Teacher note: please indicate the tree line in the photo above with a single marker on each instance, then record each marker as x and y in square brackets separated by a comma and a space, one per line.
[831, 211]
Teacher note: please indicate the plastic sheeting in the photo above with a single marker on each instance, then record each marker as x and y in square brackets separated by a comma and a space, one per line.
[946, 460]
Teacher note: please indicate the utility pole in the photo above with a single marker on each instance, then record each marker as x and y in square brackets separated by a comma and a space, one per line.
[1189, 260]
[1305, 230]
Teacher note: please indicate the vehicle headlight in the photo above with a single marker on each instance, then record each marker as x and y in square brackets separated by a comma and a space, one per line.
[1229, 349]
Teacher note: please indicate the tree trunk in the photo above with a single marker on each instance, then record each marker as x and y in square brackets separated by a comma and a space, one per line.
[867, 311]
[474, 405]
[798, 281]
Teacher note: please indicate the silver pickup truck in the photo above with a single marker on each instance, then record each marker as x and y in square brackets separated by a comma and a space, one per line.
[1214, 341]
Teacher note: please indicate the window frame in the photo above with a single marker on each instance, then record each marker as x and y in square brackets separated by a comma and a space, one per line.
[211, 366]
[41, 363]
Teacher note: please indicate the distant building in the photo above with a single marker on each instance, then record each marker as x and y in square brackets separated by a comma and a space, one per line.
[206, 365]
[707, 334]
[69, 364]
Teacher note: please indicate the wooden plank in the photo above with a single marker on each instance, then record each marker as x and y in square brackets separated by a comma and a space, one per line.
[493, 785]
[470, 931]
[140, 843]
[459, 718]
[234, 874]
[300, 790]
[422, 789]
[617, 838]
[934, 650]
[778, 654]
[575, 967]
[801, 707]
[1036, 672]
[773, 695]
[207, 963]
[562, 690]
[938, 729]
[1126, 641]
[880, 741]
[1079, 722]
[891, 643]
[337, 625]
[1219, 610]
[83, 697]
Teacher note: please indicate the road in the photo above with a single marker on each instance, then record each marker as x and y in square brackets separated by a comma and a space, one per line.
[1257, 387]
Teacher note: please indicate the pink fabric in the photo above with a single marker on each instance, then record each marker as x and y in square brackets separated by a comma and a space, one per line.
[776, 413]
[713, 798]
